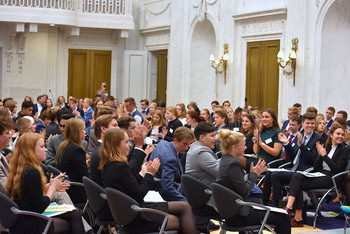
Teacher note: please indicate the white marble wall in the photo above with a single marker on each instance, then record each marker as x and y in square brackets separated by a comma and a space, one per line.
[322, 57]
[335, 58]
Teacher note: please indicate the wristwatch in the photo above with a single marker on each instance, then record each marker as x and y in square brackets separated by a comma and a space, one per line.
[254, 140]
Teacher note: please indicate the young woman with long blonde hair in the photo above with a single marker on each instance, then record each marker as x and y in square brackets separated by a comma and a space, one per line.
[28, 187]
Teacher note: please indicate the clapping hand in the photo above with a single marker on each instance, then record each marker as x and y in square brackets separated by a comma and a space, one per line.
[259, 168]
[320, 149]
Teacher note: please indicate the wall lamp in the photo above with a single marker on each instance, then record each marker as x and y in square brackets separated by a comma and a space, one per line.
[220, 65]
[290, 60]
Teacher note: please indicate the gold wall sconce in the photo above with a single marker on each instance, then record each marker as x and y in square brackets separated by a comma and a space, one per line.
[220, 65]
[290, 60]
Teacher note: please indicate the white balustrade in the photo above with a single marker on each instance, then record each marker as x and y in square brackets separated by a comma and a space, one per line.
[117, 7]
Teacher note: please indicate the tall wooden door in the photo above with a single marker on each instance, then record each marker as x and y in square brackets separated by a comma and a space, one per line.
[262, 74]
[162, 71]
[86, 69]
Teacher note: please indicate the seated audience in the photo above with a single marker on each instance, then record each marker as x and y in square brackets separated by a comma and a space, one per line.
[27, 186]
[232, 176]
[130, 106]
[71, 158]
[87, 114]
[61, 102]
[173, 123]
[6, 125]
[192, 119]
[157, 124]
[329, 115]
[206, 115]
[248, 127]
[232, 123]
[144, 106]
[330, 161]
[27, 108]
[181, 113]
[220, 116]
[116, 173]
[321, 128]
[170, 170]
[102, 123]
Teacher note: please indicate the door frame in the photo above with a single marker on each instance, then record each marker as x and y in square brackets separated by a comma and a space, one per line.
[244, 42]
[114, 69]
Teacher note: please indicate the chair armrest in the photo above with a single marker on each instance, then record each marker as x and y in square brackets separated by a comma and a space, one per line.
[24, 212]
[273, 162]
[309, 169]
[285, 164]
[268, 210]
[208, 191]
[104, 196]
[166, 215]
[76, 183]
[157, 180]
[335, 183]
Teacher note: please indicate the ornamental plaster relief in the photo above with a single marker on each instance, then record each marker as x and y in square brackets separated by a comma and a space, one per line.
[199, 9]
[156, 13]
[16, 43]
[270, 27]
[159, 39]
[91, 39]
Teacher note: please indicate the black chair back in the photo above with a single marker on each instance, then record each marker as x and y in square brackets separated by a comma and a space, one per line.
[195, 191]
[225, 201]
[7, 217]
[120, 205]
[93, 192]
[53, 170]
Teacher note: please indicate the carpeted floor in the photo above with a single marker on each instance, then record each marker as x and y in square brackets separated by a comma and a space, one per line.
[326, 224]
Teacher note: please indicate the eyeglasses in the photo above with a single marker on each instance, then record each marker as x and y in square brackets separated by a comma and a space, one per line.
[62, 126]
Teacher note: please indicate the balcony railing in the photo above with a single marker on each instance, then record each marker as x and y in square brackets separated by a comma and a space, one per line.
[80, 13]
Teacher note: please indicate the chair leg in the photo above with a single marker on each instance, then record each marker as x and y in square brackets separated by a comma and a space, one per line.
[100, 229]
[319, 206]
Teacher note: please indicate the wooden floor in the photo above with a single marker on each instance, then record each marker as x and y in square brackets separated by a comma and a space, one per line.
[304, 229]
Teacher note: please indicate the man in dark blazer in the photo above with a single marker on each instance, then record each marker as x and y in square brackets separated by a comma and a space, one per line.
[37, 108]
[329, 115]
[302, 154]
[291, 112]
[73, 106]
[170, 169]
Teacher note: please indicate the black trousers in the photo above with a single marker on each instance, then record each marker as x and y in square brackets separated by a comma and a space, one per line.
[300, 183]
[255, 217]
[275, 180]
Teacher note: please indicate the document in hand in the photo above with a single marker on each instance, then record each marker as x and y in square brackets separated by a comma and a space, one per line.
[53, 209]
[153, 197]
[311, 174]
[273, 209]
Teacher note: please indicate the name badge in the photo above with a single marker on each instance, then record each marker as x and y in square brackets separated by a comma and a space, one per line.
[293, 144]
[267, 141]
[171, 130]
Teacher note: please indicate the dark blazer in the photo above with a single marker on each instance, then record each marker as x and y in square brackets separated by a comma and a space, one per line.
[36, 109]
[231, 175]
[73, 162]
[172, 126]
[329, 124]
[118, 175]
[32, 199]
[285, 124]
[78, 109]
[52, 129]
[95, 173]
[170, 171]
[337, 163]
[308, 152]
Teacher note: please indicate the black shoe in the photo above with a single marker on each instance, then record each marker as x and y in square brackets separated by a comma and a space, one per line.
[212, 226]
